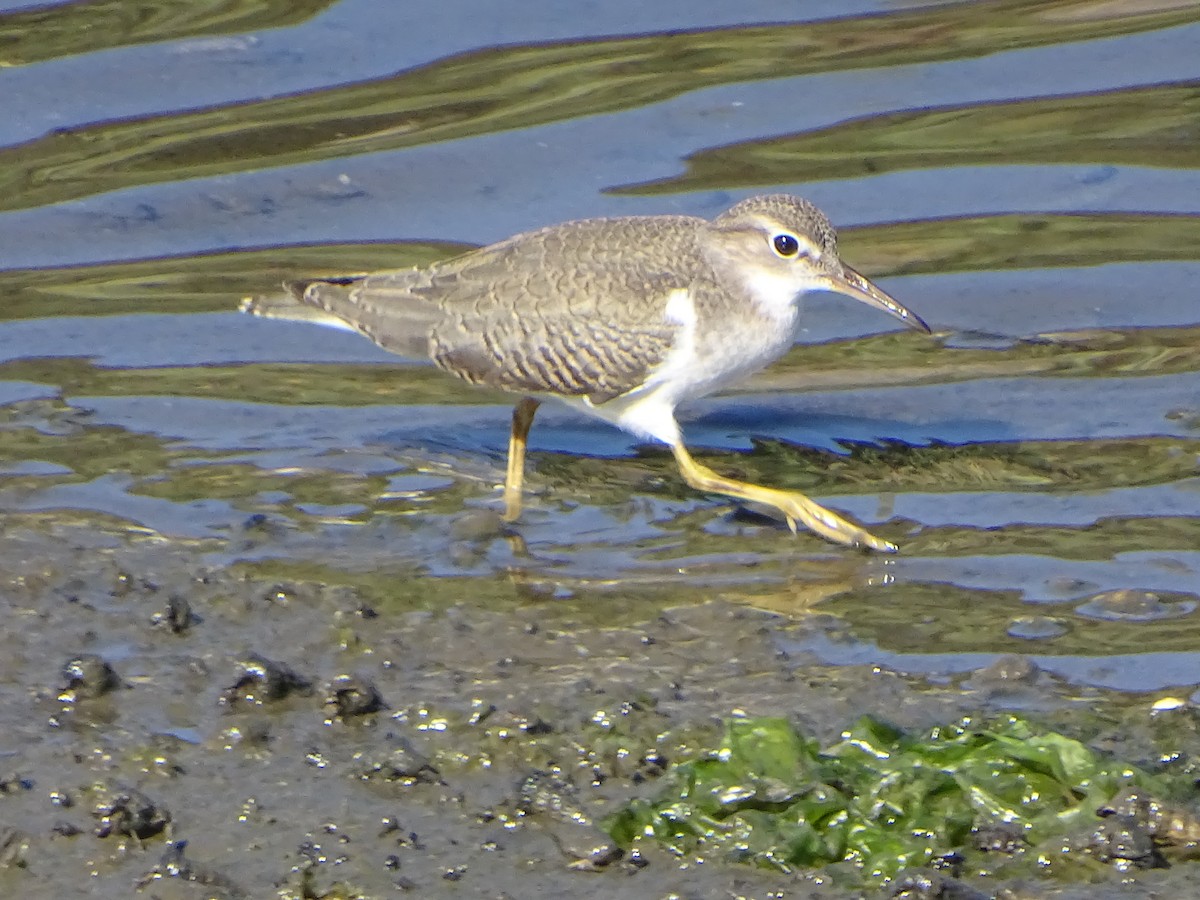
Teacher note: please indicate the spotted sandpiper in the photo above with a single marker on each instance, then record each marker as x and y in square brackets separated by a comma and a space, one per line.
[622, 318]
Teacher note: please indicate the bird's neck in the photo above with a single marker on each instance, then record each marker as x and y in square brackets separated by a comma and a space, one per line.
[771, 296]
[767, 295]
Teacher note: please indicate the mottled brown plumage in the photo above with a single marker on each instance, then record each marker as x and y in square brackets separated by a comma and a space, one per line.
[508, 317]
[624, 318]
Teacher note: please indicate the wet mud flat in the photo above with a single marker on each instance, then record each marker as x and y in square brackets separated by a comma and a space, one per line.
[189, 728]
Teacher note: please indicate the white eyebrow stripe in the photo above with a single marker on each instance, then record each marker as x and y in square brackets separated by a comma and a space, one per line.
[808, 246]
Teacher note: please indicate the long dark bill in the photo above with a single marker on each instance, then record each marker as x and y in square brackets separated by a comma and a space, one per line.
[860, 288]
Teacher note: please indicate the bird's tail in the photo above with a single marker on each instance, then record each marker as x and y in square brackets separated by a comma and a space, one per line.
[288, 305]
[376, 307]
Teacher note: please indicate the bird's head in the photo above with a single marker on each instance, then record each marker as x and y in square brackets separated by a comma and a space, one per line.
[781, 247]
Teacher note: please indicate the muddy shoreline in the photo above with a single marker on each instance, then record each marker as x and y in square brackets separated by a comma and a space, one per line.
[201, 731]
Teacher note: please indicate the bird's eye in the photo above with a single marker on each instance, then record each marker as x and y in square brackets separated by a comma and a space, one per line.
[786, 245]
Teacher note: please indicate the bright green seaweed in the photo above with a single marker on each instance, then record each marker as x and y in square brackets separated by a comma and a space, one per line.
[880, 799]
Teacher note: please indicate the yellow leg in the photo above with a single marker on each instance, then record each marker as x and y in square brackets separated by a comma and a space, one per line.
[794, 506]
[522, 420]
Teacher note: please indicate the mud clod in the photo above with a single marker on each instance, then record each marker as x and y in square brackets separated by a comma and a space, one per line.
[87, 677]
[404, 764]
[129, 813]
[13, 783]
[176, 617]
[264, 681]
[14, 848]
[922, 885]
[349, 696]
[1124, 841]
[175, 864]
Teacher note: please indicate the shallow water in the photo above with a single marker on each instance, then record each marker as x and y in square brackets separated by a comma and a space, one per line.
[1023, 175]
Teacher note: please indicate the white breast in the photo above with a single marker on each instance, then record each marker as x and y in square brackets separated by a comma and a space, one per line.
[700, 363]
[705, 360]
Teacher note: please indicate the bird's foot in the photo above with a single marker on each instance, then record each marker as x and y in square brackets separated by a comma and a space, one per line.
[796, 508]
